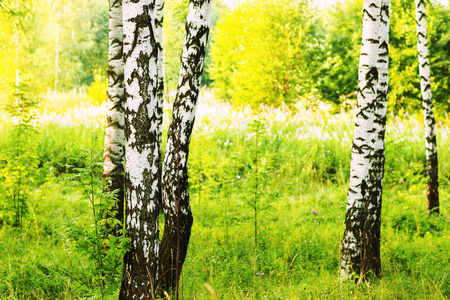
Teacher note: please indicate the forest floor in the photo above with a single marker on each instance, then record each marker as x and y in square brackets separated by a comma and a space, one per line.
[284, 169]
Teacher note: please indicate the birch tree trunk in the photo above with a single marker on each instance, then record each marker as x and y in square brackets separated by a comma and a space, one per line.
[142, 177]
[56, 58]
[362, 148]
[371, 261]
[159, 18]
[177, 211]
[113, 156]
[427, 103]
[17, 36]
[17, 33]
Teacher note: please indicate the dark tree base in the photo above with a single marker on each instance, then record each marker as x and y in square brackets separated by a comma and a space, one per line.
[174, 247]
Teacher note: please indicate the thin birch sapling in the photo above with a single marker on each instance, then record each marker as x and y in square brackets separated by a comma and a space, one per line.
[428, 110]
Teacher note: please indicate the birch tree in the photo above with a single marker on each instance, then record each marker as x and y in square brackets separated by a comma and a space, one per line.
[159, 18]
[113, 156]
[428, 113]
[177, 211]
[142, 177]
[362, 149]
[372, 222]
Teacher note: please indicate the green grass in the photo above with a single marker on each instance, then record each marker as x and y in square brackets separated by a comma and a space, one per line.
[299, 251]
[299, 162]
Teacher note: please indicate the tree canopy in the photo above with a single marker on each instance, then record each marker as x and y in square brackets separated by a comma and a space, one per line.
[278, 51]
[268, 52]
[63, 39]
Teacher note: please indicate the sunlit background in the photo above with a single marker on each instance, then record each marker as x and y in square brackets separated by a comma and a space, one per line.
[234, 3]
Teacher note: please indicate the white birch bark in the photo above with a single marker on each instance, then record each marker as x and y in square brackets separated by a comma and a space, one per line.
[428, 111]
[159, 18]
[114, 153]
[177, 212]
[362, 140]
[142, 150]
[371, 228]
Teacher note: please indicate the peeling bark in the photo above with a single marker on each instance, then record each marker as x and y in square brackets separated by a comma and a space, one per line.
[177, 211]
[362, 148]
[114, 154]
[142, 177]
[428, 111]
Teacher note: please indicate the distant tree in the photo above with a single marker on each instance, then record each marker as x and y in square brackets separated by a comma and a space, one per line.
[142, 178]
[177, 211]
[428, 111]
[15, 19]
[405, 94]
[360, 245]
[77, 29]
[243, 41]
[337, 75]
[114, 153]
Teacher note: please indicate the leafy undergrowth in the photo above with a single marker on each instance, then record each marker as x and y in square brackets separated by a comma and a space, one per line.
[289, 168]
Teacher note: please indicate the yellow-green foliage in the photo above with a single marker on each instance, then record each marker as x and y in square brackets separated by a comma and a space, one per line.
[338, 75]
[60, 43]
[404, 77]
[14, 21]
[263, 52]
[97, 90]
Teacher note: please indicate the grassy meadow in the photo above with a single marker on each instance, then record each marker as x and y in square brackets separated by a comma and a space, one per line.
[268, 193]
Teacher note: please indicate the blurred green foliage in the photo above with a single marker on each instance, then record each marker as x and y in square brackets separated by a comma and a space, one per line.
[64, 44]
[405, 81]
[266, 52]
[337, 78]
[339, 74]
[97, 90]
[61, 43]
[280, 51]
